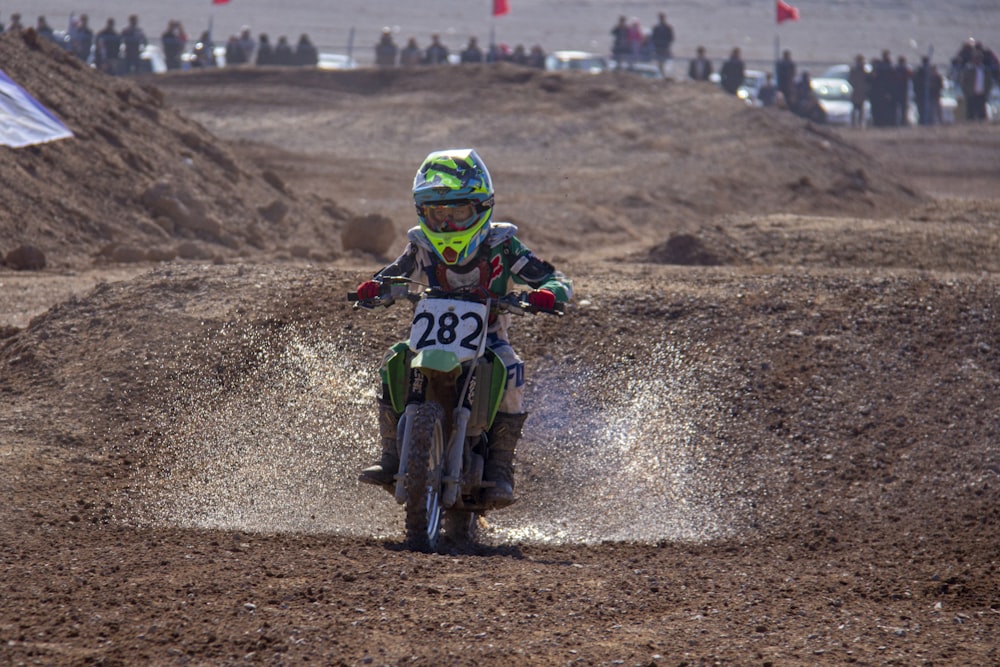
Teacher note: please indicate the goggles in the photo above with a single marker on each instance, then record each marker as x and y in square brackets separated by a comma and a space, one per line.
[453, 216]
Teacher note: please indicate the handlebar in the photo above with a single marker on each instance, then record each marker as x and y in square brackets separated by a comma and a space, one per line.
[394, 288]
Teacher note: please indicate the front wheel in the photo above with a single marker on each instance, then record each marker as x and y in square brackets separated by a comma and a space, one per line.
[424, 472]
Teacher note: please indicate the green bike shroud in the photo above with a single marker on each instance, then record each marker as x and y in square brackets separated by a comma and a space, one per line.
[394, 374]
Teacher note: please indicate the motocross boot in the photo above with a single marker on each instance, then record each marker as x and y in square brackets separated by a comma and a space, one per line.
[382, 473]
[503, 437]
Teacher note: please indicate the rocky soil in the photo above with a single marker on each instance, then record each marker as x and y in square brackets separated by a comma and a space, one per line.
[764, 434]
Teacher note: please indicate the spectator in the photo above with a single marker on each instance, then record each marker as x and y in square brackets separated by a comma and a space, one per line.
[472, 53]
[991, 60]
[732, 72]
[519, 56]
[386, 50]
[265, 52]
[203, 54]
[536, 58]
[619, 42]
[108, 49]
[921, 91]
[700, 67]
[976, 82]
[635, 41]
[174, 40]
[860, 80]
[82, 38]
[437, 53]
[43, 29]
[662, 39]
[768, 94]
[15, 23]
[901, 92]
[234, 52]
[411, 54]
[880, 93]
[936, 88]
[806, 103]
[283, 53]
[964, 55]
[499, 53]
[247, 44]
[784, 72]
[306, 54]
[133, 42]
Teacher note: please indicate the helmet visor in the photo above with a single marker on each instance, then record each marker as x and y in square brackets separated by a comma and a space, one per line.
[455, 216]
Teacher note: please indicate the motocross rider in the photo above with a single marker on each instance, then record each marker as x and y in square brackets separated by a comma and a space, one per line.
[458, 246]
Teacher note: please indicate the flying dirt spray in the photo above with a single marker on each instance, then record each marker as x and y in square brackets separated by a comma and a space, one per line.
[631, 450]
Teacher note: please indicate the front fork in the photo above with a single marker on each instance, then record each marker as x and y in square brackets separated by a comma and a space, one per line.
[404, 450]
[454, 453]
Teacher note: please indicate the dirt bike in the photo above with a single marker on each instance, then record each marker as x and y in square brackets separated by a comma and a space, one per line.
[448, 385]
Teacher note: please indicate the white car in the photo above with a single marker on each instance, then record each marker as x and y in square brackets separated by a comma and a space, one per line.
[834, 95]
[583, 61]
[336, 61]
[949, 103]
[152, 59]
[749, 92]
[842, 71]
[753, 79]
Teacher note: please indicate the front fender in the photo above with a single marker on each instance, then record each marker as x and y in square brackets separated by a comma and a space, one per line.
[441, 361]
[395, 369]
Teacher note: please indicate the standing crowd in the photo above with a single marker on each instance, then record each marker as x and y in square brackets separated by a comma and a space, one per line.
[389, 54]
[122, 52]
[881, 90]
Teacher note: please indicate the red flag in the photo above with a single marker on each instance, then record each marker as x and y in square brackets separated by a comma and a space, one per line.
[500, 7]
[786, 12]
[219, 2]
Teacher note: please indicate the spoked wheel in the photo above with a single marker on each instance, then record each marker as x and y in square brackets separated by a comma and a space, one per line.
[424, 472]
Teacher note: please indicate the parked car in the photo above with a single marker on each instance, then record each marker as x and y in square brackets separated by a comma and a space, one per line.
[583, 61]
[753, 79]
[336, 61]
[834, 96]
[646, 70]
[842, 71]
[949, 102]
[151, 60]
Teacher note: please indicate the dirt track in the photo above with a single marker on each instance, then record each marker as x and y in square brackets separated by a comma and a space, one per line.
[765, 433]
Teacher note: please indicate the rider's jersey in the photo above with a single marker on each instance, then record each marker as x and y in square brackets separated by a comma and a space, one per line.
[502, 264]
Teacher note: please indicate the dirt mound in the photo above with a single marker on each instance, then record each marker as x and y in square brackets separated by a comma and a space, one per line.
[142, 182]
[956, 235]
[138, 181]
[580, 161]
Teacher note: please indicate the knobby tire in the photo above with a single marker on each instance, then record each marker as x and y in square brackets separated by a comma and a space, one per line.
[424, 472]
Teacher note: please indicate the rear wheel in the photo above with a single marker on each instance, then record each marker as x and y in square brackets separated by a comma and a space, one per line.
[424, 471]
[461, 526]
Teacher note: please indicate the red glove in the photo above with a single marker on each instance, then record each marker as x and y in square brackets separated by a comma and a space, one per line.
[542, 299]
[369, 290]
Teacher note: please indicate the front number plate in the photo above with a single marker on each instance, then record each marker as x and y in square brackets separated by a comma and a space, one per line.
[446, 324]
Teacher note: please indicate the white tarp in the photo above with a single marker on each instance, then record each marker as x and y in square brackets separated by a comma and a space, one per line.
[23, 121]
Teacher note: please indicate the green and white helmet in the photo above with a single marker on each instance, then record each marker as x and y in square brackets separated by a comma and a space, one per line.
[453, 194]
